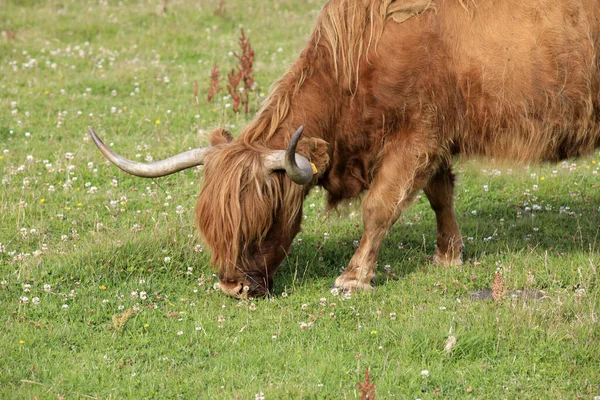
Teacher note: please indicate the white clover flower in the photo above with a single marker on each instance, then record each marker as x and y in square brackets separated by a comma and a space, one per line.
[36, 300]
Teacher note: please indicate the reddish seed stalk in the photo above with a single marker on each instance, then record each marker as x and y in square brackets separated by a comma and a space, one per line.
[220, 10]
[245, 64]
[498, 290]
[244, 75]
[215, 87]
[232, 87]
[367, 389]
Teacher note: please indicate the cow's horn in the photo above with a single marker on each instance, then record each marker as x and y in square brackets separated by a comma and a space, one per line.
[155, 169]
[296, 166]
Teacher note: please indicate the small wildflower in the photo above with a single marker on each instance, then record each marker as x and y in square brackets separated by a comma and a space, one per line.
[36, 300]
[392, 316]
[425, 373]
[146, 325]
[179, 333]
[143, 295]
[157, 122]
[65, 306]
[101, 287]
[167, 260]
[373, 332]
[21, 342]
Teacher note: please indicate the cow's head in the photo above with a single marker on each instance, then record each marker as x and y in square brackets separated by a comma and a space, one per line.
[250, 205]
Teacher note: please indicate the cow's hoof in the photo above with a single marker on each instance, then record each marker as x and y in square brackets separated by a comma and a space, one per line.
[348, 284]
[447, 259]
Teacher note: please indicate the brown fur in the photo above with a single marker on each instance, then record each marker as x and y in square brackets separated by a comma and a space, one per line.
[388, 92]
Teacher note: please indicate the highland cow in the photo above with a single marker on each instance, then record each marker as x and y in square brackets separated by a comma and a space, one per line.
[388, 93]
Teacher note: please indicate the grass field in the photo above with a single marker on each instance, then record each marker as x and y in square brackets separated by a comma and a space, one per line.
[106, 292]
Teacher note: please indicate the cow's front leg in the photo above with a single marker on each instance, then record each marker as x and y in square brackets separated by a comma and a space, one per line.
[398, 179]
[440, 192]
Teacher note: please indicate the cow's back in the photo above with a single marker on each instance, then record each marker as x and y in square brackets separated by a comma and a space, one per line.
[504, 78]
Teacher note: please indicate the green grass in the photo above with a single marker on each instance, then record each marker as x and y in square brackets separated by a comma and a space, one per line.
[97, 247]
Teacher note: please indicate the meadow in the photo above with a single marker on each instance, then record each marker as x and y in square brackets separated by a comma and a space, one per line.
[106, 291]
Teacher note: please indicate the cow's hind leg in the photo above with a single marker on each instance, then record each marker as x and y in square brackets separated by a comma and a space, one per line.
[403, 172]
[440, 192]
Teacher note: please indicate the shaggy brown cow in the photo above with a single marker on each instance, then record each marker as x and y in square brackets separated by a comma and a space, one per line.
[388, 92]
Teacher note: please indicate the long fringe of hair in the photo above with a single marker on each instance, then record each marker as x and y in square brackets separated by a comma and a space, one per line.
[243, 202]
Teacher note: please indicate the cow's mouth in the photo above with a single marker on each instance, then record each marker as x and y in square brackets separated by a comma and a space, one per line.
[248, 287]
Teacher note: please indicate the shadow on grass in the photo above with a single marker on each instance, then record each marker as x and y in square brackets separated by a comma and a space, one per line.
[496, 232]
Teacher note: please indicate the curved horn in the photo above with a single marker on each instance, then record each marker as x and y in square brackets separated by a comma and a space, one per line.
[296, 166]
[155, 169]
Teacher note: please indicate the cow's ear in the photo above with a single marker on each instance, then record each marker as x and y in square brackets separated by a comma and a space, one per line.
[315, 150]
[220, 136]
